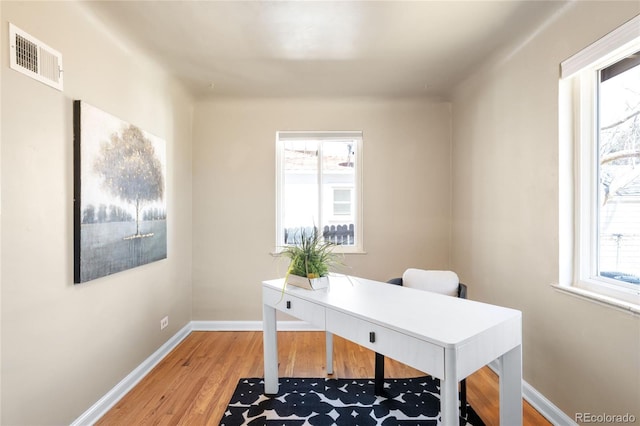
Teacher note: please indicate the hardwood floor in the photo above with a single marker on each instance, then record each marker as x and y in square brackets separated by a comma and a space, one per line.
[193, 384]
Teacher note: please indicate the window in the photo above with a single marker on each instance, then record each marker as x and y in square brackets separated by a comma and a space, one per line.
[600, 170]
[319, 185]
[342, 201]
[618, 235]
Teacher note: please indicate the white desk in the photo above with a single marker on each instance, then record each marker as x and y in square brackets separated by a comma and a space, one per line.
[444, 336]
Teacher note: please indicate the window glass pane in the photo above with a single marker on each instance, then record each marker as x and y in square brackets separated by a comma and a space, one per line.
[619, 172]
[341, 201]
[342, 209]
[342, 195]
[300, 188]
[338, 170]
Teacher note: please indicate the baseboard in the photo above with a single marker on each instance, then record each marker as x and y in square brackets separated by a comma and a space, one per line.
[97, 410]
[538, 401]
[112, 397]
[545, 407]
[250, 326]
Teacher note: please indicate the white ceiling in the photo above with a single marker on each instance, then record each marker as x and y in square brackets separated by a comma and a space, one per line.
[322, 48]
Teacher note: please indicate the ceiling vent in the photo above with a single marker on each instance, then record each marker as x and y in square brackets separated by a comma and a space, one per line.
[31, 57]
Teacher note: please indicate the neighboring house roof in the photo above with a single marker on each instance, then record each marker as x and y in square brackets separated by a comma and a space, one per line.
[308, 160]
[630, 188]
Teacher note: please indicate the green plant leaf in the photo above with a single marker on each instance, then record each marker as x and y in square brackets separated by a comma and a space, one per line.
[312, 257]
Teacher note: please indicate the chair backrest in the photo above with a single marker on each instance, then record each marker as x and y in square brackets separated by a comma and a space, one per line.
[443, 282]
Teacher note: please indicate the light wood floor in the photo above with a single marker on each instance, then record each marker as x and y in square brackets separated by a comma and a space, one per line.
[193, 384]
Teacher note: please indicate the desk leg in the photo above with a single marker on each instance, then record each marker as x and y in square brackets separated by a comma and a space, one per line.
[270, 343]
[511, 387]
[449, 390]
[329, 348]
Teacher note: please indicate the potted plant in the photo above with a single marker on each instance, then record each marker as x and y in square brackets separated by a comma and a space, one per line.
[310, 260]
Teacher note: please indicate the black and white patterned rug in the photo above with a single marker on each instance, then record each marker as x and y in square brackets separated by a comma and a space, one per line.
[325, 401]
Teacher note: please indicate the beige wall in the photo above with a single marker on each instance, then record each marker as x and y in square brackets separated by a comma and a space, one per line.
[64, 345]
[406, 191]
[582, 356]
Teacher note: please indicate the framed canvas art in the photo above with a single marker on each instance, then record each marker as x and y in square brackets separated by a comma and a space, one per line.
[120, 219]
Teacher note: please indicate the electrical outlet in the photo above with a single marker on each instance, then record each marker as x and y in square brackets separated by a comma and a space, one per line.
[164, 322]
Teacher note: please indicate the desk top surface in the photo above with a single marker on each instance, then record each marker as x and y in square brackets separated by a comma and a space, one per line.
[446, 320]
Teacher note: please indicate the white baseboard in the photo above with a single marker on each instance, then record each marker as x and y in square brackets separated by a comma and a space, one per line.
[538, 401]
[112, 397]
[97, 410]
[545, 407]
[250, 326]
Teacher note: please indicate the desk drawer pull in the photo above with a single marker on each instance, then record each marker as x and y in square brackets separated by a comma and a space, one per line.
[372, 336]
[288, 304]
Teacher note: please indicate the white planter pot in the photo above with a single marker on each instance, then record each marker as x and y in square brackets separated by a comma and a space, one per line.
[308, 283]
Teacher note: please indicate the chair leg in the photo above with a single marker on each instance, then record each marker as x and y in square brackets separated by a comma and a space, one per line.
[379, 374]
[463, 398]
[379, 384]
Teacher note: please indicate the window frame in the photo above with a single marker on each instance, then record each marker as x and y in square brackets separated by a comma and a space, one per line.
[578, 170]
[356, 197]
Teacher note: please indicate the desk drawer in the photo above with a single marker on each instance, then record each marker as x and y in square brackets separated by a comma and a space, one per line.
[409, 350]
[295, 306]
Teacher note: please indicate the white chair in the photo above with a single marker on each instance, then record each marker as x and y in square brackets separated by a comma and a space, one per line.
[443, 282]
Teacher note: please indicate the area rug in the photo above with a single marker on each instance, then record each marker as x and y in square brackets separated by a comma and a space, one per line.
[324, 401]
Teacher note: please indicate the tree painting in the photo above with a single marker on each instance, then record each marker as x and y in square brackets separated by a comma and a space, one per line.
[120, 219]
[131, 170]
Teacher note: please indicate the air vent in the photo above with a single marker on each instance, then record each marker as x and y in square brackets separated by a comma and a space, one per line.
[32, 57]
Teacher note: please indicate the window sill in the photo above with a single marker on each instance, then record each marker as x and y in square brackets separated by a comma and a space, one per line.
[277, 253]
[611, 302]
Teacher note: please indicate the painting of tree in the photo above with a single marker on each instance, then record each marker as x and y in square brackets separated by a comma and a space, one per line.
[119, 195]
[131, 170]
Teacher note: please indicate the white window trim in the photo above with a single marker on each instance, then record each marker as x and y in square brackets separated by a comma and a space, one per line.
[577, 160]
[611, 45]
[357, 248]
